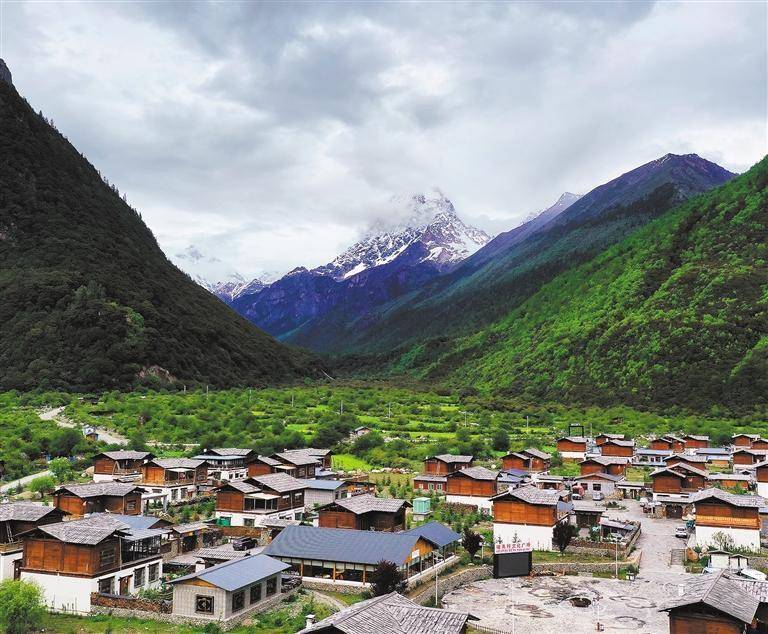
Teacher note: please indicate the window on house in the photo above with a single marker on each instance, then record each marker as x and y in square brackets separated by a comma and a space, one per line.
[154, 572]
[107, 558]
[271, 586]
[256, 593]
[138, 577]
[431, 487]
[248, 521]
[596, 486]
[238, 600]
[203, 604]
[106, 586]
[130, 505]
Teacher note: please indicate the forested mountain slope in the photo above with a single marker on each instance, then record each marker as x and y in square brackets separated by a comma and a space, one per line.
[87, 298]
[677, 314]
[498, 277]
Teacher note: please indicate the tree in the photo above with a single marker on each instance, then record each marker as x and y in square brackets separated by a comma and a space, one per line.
[21, 607]
[137, 441]
[386, 578]
[562, 534]
[471, 542]
[43, 485]
[61, 469]
[500, 440]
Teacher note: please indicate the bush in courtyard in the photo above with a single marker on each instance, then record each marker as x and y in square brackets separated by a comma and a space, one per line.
[386, 578]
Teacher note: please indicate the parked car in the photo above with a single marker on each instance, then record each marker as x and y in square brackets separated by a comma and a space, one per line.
[575, 496]
[681, 531]
[243, 543]
[598, 497]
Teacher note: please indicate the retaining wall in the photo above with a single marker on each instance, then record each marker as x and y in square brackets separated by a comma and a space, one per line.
[449, 583]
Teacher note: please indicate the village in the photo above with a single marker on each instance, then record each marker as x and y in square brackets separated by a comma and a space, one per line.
[678, 549]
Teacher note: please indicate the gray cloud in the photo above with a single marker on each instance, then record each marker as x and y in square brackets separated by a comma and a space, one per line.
[270, 134]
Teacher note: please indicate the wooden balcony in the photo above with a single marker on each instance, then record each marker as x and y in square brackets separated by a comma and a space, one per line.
[728, 522]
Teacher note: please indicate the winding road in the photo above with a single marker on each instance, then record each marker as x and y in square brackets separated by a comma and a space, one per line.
[56, 414]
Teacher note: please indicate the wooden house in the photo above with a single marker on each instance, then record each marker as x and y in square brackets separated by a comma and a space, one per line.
[242, 502]
[174, 479]
[528, 515]
[572, 447]
[745, 456]
[716, 456]
[678, 479]
[668, 442]
[430, 482]
[618, 448]
[364, 512]
[737, 516]
[99, 497]
[540, 460]
[227, 463]
[297, 463]
[262, 465]
[600, 439]
[515, 460]
[230, 591]
[604, 464]
[760, 444]
[17, 518]
[761, 478]
[115, 465]
[691, 460]
[472, 485]
[587, 513]
[695, 441]
[712, 604]
[349, 556]
[98, 554]
[446, 463]
[362, 617]
[744, 440]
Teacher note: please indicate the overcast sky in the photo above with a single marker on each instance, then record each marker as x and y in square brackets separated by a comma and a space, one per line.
[270, 135]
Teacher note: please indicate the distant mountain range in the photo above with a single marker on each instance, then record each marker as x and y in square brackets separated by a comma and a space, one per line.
[89, 301]
[393, 258]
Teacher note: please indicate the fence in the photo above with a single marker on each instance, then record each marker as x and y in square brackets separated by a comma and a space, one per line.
[474, 627]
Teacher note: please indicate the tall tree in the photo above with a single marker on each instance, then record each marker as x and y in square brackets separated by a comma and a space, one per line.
[562, 534]
[386, 578]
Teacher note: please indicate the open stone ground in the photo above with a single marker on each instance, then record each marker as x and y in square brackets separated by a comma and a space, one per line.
[542, 605]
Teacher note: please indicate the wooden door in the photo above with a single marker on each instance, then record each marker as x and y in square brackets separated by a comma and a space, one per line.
[125, 584]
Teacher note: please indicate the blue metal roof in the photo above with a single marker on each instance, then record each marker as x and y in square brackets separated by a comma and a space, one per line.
[342, 545]
[238, 573]
[436, 533]
[324, 485]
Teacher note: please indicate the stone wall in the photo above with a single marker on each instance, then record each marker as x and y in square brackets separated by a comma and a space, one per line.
[263, 606]
[446, 584]
[129, 603]
[576, 567]
[327, 585]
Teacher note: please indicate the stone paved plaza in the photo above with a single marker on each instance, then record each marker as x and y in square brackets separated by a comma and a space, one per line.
[542, 605]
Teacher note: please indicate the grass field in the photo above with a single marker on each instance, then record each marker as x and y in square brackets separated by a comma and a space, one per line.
[348, 462]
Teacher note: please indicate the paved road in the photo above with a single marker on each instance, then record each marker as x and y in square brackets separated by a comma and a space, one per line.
[56, 414]
[22, 481]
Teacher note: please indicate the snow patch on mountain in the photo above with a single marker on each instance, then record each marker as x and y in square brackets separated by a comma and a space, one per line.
[430, 219]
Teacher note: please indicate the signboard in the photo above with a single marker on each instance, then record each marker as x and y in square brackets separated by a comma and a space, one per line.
[512, 547]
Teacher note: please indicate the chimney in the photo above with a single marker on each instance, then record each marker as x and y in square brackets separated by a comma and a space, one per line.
[310, 621]
[5, 73]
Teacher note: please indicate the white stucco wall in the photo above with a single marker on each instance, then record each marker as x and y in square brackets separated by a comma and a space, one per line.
[572, 455]
[103, 477]
[742, 537]
[540, 537]
[479, 502]
[6, 564]
[762, 489]
[238, 519]
[73, 594]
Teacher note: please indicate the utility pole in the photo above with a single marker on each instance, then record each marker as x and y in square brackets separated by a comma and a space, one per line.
[341, 408]
[291, 400]
[249, 395]
[389, 410]
[526, 422]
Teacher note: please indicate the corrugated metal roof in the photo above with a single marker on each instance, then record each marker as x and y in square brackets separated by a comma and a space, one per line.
[238, 573]
[324, 485]
[435, 533]
[342, 545]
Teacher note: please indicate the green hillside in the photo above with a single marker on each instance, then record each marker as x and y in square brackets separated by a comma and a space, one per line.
[89, 301]
[676, 314]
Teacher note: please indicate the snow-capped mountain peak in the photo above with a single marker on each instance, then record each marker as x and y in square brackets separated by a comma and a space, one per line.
[429, 219]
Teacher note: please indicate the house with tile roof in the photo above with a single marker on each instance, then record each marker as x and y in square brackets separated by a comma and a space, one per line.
[528, 515]
[364, 512]
[618, 447]
[17, 518]
[230, 591]
[99, 497]
[614, 465]
[119, 465]
[599, 482]
[721, 512]
[600, 439]
[572, 448]
[227, 463]
[530, 459]
[472, 485]
[390, 614]
[97, 554]
[242, 502]
[174, 479]
[444, 464]
[695, 441]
